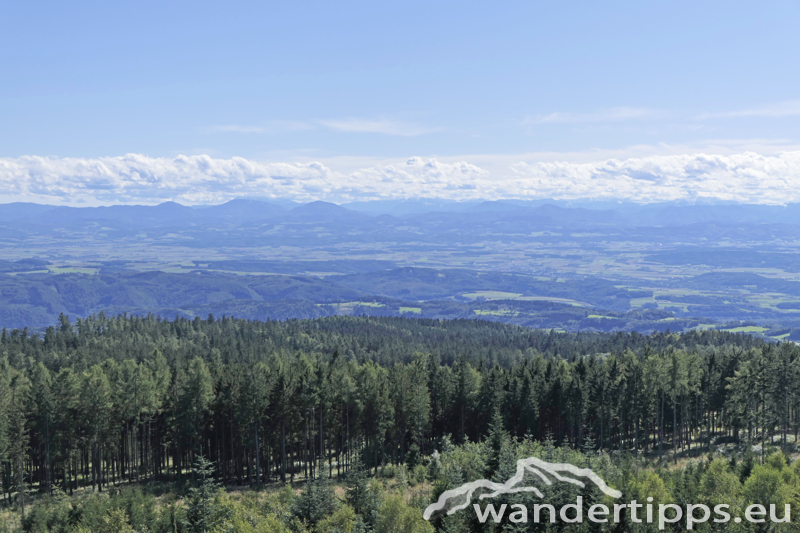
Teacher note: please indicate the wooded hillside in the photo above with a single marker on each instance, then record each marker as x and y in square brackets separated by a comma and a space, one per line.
[139, 398]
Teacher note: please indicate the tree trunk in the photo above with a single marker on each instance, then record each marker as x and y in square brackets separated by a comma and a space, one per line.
[674, 430]
[283, 450]
[321, 444]
[661, 429]
[258, 463]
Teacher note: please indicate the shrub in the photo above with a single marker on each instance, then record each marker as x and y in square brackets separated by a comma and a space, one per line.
[388, 471]
[49, 514]
[413, 458]
[247, 520]
[316, 502]
[395, 516]
[419, 475]
[116, 521]
[343, 520]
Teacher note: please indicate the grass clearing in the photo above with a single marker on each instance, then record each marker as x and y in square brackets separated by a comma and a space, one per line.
[73, 270]
[746, 329]
[575, 303]
[349, 306]
[492, 295]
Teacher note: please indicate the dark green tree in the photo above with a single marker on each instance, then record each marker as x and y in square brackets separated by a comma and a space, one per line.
[204, 513]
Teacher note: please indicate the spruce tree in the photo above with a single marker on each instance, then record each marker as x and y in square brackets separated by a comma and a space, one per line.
[44, 409]
[204, 513]
[19, 437]
[316, 502]
[498, 439]
[359, 495]
[412, 457]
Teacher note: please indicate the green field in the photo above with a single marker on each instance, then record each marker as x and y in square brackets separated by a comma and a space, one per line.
[746, 329]
[492, 295]
[73, 270]
[717, 278]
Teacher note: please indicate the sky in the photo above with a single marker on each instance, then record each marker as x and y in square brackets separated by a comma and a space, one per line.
[200, 102]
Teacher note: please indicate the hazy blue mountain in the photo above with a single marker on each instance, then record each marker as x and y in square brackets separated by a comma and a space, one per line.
[598, 263]
[728, 258]
[241, 211]
[410, 206]
[339, 266]
[741, 280]
[543, 213]
[680, 215]
[141, 215]
[318, 211]
[22, 210]
[37, 299]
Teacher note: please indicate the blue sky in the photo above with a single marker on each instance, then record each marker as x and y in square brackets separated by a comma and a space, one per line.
[355, 85]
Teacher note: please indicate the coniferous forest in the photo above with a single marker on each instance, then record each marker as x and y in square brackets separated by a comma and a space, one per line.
[357, 423]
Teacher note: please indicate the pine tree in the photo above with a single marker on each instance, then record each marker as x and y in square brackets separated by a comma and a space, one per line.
[204, 514]
[66, 390]
[549, 446]
[418, 406]
[359, 495]
[18, 433]
[467, 387]
[43, 407]
[357, 485]
[498, 440]
[316, 502]
[413, 457]
[253, 404]
[196, 397]
[588, 443]
[96, 405]
[5, 401]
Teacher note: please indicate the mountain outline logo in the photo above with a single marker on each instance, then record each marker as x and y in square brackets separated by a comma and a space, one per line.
[450, 501]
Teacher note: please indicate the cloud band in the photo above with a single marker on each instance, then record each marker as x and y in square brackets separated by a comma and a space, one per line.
[745, 177]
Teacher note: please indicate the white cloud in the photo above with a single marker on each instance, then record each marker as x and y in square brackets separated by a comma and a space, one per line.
[789, 108]
[615, 114]
[744, 176]
[387, 127]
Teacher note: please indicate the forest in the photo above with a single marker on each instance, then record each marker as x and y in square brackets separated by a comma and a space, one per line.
[356, 423]
[36, 300]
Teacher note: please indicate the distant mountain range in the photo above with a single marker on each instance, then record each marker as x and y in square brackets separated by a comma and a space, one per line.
[567, 265]
[542, 213]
